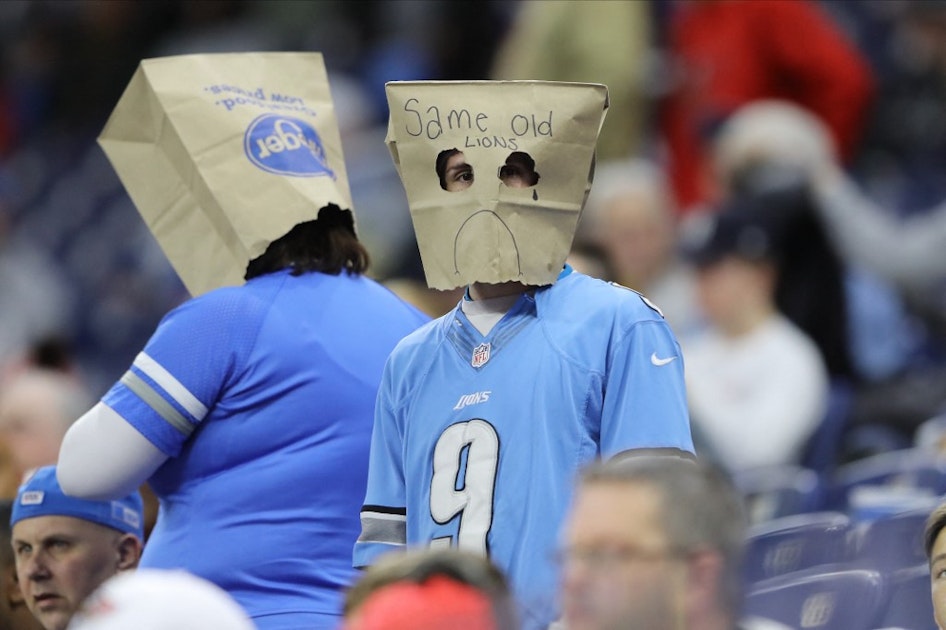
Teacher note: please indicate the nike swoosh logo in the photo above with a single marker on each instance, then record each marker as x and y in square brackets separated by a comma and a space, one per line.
[658, 361]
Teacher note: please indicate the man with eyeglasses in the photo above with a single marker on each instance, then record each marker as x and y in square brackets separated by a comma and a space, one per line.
[654, 543]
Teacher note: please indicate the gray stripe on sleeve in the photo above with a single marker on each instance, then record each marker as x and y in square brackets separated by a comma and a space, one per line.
[162, 407]
[383, 528]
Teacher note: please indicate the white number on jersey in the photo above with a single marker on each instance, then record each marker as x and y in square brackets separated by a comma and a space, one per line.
[473, 502]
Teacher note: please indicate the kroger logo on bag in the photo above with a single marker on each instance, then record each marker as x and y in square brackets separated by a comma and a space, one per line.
[285, 146]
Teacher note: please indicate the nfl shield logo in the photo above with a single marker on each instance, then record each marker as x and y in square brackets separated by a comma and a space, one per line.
[480, 355]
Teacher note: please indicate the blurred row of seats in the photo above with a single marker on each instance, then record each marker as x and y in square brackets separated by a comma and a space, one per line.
[823, 539]
[826, 570]
[845, 550]
[894, 481]
[845, 598]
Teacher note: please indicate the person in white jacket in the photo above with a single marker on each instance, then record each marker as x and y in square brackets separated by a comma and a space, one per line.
[757, 385]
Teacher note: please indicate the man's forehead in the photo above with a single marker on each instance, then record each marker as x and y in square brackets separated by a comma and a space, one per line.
[456, 161]
[40, 527]
[485, 156]
[629, 503]
[624, 491]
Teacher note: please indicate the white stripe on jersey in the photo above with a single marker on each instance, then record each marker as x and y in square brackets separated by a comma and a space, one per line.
[384, 516]
[171, 385]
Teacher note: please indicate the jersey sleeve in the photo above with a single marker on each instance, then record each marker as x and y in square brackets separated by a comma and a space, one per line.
[177, 378]
[384, 513]
[645, 402]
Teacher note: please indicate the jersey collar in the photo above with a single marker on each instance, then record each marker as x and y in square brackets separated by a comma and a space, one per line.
[473, 346]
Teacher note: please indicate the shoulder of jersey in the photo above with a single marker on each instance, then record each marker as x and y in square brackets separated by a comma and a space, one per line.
[425, 334]
[228, 306]
[600, 294]
[638, 298]
[223, 298]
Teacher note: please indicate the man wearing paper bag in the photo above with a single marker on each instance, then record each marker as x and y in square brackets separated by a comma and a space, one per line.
[249, 410]
[485, 415]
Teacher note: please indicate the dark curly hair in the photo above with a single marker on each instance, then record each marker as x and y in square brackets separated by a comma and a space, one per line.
[327, 244]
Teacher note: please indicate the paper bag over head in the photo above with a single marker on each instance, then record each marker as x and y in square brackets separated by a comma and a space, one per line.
[224, 153]
[496, 173]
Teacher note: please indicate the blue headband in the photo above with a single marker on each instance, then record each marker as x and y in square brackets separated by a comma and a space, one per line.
[41, 495]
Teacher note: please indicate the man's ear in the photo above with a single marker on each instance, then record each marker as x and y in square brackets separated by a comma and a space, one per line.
[129, 552]
[11, 587]
[705, 580]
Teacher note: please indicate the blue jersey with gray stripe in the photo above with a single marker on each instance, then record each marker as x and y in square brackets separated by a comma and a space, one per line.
[263, 397]
[478, 440]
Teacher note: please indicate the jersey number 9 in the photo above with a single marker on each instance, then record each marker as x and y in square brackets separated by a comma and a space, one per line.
[465, 461]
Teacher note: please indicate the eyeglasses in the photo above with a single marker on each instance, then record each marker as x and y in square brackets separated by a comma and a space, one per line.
[610, 557]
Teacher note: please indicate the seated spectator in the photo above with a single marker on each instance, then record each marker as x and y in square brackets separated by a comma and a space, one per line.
[760, 152]
[893, 269]
[158, 599]
[446, 589]
[654, 543]
[64, 547]
[14, 614]
[756, 383]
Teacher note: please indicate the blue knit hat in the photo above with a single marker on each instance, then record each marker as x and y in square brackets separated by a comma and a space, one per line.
[41, 495]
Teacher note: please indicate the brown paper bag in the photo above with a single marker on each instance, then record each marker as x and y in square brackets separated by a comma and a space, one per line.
[491, 231]
[224, 153]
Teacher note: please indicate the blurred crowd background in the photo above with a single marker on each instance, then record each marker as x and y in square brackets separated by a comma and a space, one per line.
[83, 283]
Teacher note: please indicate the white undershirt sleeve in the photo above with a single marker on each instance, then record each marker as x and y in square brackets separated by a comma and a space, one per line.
[103, 457]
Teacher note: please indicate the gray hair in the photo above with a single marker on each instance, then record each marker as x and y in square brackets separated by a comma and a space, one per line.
[772, 131]
[702, 509]
[635, 177]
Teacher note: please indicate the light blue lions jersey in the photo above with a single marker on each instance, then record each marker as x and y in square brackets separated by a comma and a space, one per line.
[263, 397]
[478, 440]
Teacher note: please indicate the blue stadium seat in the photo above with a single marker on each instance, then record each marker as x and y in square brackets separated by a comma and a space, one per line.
[794, 543]
[771, 492]
[909, 604]
[913, 469]
[891, 542]
[823, 448]
[843, 599]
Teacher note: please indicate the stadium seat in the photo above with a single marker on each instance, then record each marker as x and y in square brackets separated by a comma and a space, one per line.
[794, 543]
[823, 448]
[891, 542]
[914, 472]
[843, 599]
[909, 604]
[775, 491]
